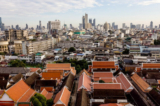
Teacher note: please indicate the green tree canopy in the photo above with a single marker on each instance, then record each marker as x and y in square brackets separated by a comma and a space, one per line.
[50, 102]
[17, 63]
[72, 49]
[40, 100]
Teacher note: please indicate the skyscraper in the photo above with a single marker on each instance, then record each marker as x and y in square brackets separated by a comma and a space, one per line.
[71, 26]
[12, 27]
[0, 23]
[106, 26]
[90, 21]
[83, 22]
[142, 26]
[159, 25]
[86, 20]
[26, 26]
[130, 25]
[123, 25]
[17, 27]
[40, 25]
[94, 23]
[151, 24]
[113, 25]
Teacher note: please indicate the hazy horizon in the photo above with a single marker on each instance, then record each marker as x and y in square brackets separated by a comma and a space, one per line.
[71, 11]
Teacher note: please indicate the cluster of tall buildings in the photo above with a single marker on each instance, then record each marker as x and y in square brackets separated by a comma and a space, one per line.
[85, 24]
[114, 26]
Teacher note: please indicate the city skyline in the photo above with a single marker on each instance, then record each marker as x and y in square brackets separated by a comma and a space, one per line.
[127, 11]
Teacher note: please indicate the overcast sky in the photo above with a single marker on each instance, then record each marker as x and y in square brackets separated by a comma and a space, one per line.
[20, 12]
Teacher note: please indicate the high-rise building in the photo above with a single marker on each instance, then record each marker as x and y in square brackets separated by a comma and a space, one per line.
[40, 25]
[90, 21]
[83, 22]
[54, 26]
[26, 26]
[123, 25]
[86, 20]
[17, 27]
[151, 24]
[156, 27]
[94, 23]
[71, 26]
[113, 25]
[142, 26]
[106, 26]
[131, 25]
[0, 23]
[37, 26]
[12, 27]
[159, 25]
[116, 27]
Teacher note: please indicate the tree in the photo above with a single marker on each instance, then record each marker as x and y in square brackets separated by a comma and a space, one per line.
[38, 100]
[49, 102]
[72, 49]
[101, 81]
[17, 63]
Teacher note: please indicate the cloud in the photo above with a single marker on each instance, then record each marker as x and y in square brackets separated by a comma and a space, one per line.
[149, 2]
[134, 2]
[35, 7]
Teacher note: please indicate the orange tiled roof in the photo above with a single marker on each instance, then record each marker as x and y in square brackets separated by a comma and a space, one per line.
[73, 71]
[107, 86]
[111, 104]
[20, 92]
[84, 71]
[84, 81]
[89, 68]
[49, 89]
[103, 74]
[49, 75]
[103, 64]
[62, 66]
[63, 96]
[1, 93]
[125, 82]
[138, 69]
[141, 83]
[34, 69]
[151, 65]
[46, 94]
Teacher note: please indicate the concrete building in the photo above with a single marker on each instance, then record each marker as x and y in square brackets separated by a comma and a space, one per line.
[4, 46]
[52, 25]
[18, 46]
[106, 26]
[11, 35]
[151, 24]
[32, 47]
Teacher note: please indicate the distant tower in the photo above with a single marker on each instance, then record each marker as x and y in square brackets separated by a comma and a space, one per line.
[106, 26]
[113, 25]
[40, 25]
[151, 24]
[26, 26]
[90, 21]
[83, 22]
[94, 23]
[123, 25]
[130, 25]
[0, 23]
